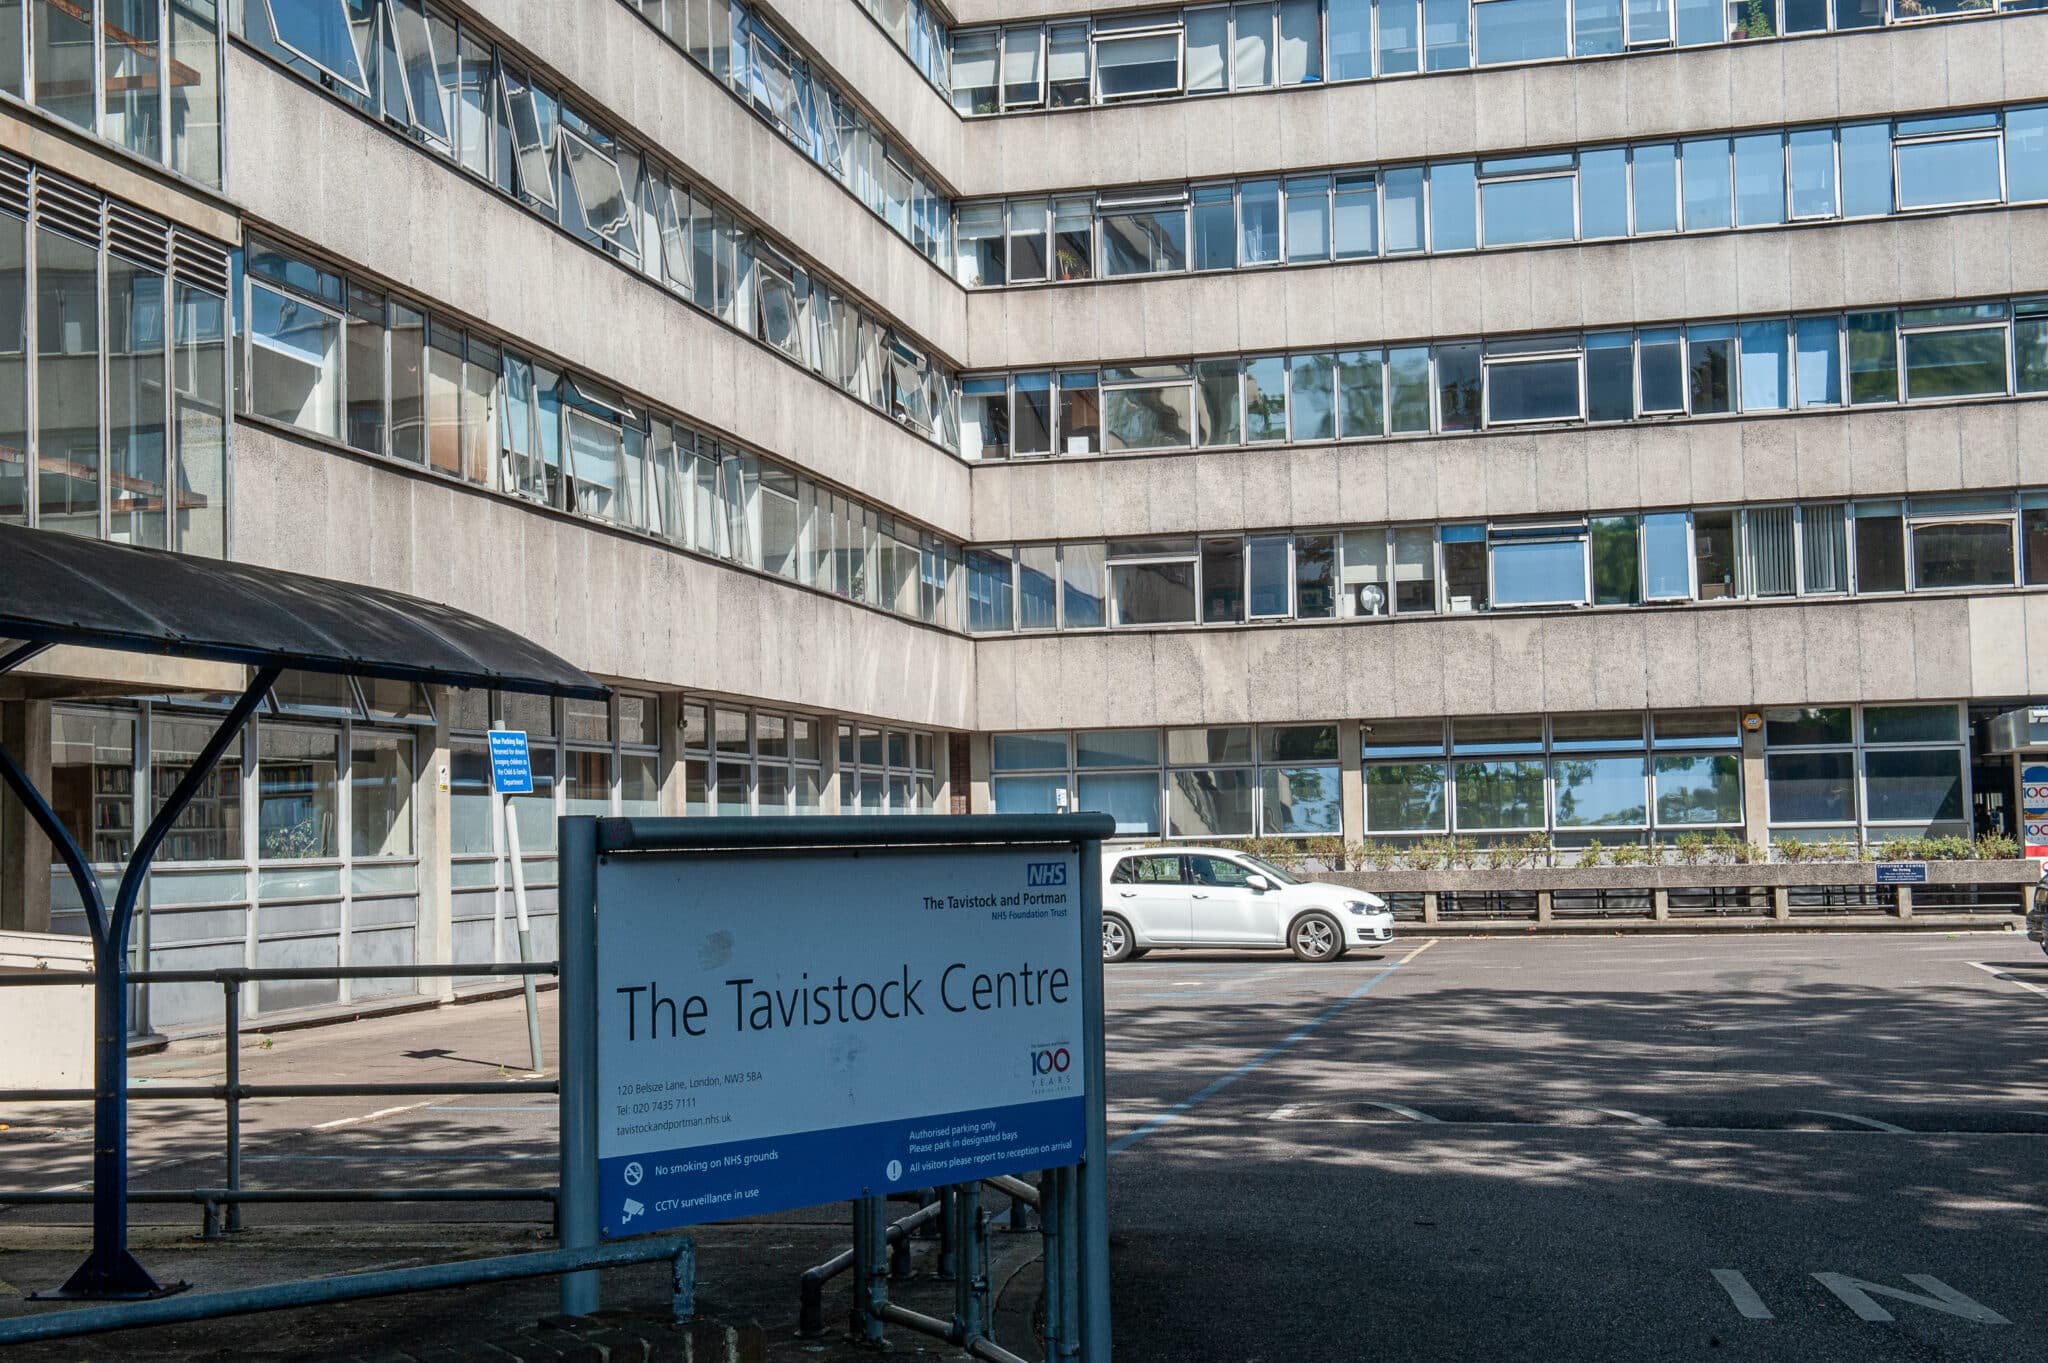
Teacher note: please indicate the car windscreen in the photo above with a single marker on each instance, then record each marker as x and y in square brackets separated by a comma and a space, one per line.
[1270, 871]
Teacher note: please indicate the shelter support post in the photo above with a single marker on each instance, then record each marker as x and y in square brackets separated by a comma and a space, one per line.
[110, 1272]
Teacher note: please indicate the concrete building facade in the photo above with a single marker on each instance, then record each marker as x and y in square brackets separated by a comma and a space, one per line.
[1589, 419]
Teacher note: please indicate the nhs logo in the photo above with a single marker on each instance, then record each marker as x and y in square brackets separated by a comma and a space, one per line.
[1044, 874]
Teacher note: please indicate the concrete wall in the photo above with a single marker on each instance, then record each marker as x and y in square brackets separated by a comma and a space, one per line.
[48, 1028]
[1930, 648]
[618, 605]
[310, 166]
[654, 94]
[1694, 277]
[1866, 452]
[1504, 108]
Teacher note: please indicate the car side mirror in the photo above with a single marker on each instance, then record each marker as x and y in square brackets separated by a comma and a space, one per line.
[1258, 882]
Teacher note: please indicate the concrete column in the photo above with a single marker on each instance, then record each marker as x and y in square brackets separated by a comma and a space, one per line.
[24, 851]
[980, 798]
[1660, 904]
[1781, 903]
[669, 719]
[942, 760]
[1352, 776]
[1756, 817]
[1543, 906]
[1903, 901]
[436, 941]
[828, 774]
[1429, 906]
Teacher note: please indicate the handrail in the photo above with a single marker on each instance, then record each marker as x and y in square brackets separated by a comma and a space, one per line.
[680, 1250]
[232, 1092]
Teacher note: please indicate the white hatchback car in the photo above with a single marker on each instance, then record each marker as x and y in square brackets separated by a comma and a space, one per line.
[1206, 897]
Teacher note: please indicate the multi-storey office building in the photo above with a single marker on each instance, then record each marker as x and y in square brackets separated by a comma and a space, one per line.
[1597, 418]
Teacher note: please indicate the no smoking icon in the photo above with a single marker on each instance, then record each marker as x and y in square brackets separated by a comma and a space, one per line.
[633, 1174]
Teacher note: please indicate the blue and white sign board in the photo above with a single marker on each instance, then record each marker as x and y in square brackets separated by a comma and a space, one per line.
[511, 763]
[778, 1031]
[1902, 873]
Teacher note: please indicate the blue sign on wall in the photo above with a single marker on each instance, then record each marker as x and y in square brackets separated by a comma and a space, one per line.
[511, 764]
[1902, 873]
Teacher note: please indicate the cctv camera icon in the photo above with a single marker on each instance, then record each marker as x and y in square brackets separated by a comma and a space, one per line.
[631, 1210]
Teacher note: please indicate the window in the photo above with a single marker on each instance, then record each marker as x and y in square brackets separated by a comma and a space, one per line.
[1950, 160]
[1519, 30]
[1957, 351]
[1135, 56]
[1299, 781]
[1532, 380]
[1143, 233]
[1655, 168]
[318, 32]
[1147, 407]
[1308, 218]
[1151, 582]
[1759, 179]
[1963, 541]
[1538, 565]
[1528, 198]
[1707, 203]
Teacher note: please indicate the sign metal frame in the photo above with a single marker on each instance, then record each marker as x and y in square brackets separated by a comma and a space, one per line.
[1083, 1275]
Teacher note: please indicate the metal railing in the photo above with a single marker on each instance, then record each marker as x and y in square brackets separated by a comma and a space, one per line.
[221, 1208]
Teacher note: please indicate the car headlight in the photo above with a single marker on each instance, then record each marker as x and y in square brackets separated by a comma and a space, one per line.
[1358, 906]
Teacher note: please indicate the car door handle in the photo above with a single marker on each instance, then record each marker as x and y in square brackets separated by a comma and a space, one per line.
[1128, 894]
[1200, 895]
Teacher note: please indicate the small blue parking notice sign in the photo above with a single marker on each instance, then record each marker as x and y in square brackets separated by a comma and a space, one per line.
[511, 764]
[1902, 873]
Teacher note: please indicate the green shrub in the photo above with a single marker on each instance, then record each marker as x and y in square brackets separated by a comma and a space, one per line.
[1997, 847]
[1590, 854]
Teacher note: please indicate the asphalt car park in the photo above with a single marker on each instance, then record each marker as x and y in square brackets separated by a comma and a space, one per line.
[1775, 1147]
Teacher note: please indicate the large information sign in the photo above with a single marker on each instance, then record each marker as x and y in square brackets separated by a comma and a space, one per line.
[781, 1030]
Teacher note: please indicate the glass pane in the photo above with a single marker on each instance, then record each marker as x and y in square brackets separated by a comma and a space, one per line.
[1955, 171]
[1667, 556]
[1520, 30]
[1533, 390]
[1656, 187]
[1603, 193]
[1910, 724]
[92, 782]
[1210, 802]
[294, 347]
[1880, 549]
[1301, 800]
[1866, 169]
[1699, 788]
[1311, 386]
[1517, 211]
[1258, 208]
[1308, 218]
[1759, 179]
[1500, 795]
[1131, 797]
[137, 438]
[1539, 573]
[1265, 399]
[1360, 399]
[1706, 184]
[1970, 554]
[1117, 748]
[1081, 585]
[1616, 576]
[1600, 792]
[1949, 364]
[1153, 593]
[1800, 728]
[1811, 152]
[1811, 787]
[1766, 370]
[1453, 205]
[296, 795]
[1917, 786]
[1404, 797]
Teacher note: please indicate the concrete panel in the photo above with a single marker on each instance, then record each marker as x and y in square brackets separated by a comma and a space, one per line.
[1941, 649]
[1885, 631]
[655, 94]
[526, 568]
[1998, 646]
[1510, 108]
[565, 299]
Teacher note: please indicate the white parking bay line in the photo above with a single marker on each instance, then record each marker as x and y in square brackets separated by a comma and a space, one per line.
[1638, 1118]
[367, 1117]
[1995, 973]
[1410, 1113]
[1873, 1123]
[1742, 1294]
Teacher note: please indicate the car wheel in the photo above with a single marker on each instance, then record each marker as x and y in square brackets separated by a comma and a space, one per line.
[1316, 937]
[1116, 939]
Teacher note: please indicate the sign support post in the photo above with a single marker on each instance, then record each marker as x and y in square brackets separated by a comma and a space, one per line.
[512, 774]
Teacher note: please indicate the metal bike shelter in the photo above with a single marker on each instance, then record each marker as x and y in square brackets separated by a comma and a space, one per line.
[1074, 1199]
[58, 589]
